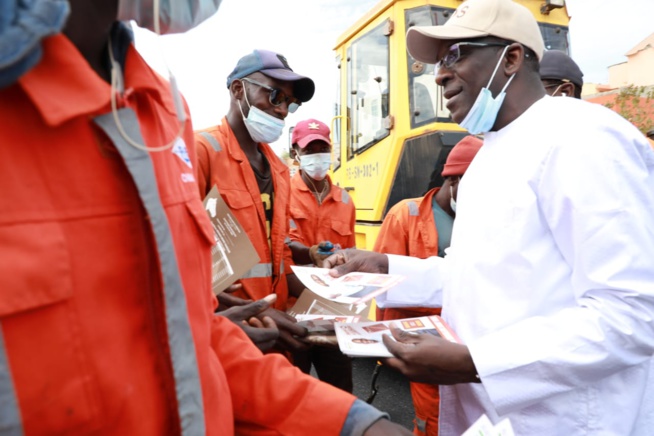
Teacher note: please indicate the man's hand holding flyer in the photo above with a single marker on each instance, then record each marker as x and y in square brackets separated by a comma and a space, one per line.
[364, 339]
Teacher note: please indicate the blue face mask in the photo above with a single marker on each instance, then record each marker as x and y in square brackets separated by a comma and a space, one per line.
[261, 126]
[167, 16]
[483, 113]
[23, 24]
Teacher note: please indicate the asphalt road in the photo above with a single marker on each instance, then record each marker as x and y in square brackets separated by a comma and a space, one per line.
[393, 395]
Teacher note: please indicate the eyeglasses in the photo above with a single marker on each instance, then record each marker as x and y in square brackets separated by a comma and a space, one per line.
[553, 88]
[454, 53]
[277, 96]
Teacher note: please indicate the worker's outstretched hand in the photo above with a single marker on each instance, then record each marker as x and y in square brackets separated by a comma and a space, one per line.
[289, 330]
[426, 358]
[262, 331]
[227, 300]
[384, 427]
[350, 260]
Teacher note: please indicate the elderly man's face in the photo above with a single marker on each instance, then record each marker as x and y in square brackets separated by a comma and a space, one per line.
[463, 79]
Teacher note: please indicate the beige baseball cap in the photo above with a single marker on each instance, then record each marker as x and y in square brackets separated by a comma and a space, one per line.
[475, 19]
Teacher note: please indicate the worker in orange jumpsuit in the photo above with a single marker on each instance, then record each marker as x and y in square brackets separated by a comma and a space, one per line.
[253, 181]
[320, 211]
[106, 310]
[422, 227]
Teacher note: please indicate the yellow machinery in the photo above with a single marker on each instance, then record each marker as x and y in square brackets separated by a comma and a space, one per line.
[391, 131]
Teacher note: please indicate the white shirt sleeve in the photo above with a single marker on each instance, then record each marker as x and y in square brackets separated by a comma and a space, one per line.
[422, 286]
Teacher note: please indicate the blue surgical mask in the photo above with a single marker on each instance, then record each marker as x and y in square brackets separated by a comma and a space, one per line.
[261, 126]
[483, 113]
[167, 16]
[23, 24]
[315, 165]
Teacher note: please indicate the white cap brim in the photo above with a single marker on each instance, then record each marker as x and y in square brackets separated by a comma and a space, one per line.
[424, 42]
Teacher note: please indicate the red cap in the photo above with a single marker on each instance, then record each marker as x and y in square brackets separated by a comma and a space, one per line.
[310, 130]
[461, 156]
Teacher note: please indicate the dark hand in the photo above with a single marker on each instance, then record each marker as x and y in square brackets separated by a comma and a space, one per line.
[427, 358]
[347, 261]
[384, 427]
[226, 300]
[233, 288]
[288, 329]
[322, 251]
[262, 332]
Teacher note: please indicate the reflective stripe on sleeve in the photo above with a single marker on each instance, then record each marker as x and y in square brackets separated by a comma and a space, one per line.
[258, 271]
[421, 425]
[11, 423]
[413, 208]
[212, 140]
[345, 197]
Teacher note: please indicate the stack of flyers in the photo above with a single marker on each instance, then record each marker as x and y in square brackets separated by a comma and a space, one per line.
[310, 303]
[364, 339]
[323, 324]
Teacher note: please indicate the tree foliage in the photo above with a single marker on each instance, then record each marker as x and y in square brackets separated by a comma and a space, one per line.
[635, 104]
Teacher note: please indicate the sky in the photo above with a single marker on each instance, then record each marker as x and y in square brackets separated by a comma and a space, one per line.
[305, 32]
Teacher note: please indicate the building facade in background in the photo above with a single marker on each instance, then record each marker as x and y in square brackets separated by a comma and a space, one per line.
[630, 90]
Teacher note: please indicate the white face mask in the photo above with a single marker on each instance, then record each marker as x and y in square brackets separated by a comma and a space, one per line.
[261, 126]
[452, 200]
[167, 16]
[315, 165]
[483, 113]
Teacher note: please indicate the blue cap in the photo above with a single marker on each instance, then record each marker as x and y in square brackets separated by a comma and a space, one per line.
[276, 66]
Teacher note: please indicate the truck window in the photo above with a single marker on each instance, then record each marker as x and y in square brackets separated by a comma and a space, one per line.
[368, 88]
[426, 102]
[555, 37]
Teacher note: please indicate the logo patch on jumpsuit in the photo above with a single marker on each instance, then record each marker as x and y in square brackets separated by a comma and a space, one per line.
[179, 150]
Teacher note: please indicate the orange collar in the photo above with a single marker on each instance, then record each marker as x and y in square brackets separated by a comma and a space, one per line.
[63, 85]
[334, 193]
[236, 152]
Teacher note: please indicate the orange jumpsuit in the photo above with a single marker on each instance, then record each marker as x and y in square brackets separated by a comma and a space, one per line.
[106, 309]
[311, 223]
[221, 162]
[409, 230]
